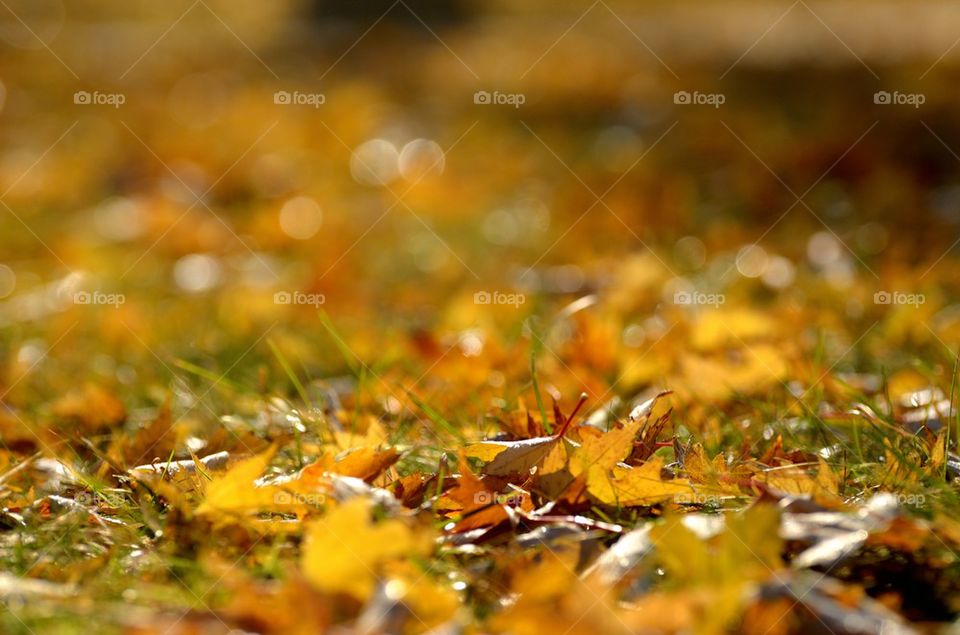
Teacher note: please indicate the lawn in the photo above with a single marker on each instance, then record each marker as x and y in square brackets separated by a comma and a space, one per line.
[465, 317]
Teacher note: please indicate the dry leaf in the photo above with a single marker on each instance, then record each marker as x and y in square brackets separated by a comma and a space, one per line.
[343, 551]
[627, 487]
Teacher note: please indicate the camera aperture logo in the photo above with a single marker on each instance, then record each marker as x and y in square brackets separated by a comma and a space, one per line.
[99, 298]
[899, 298]
[696, 98]
[695, 298]
[499, 298]
[896, 98]
[96, 98]
[299, 298]
[496, 98]
[297, 98]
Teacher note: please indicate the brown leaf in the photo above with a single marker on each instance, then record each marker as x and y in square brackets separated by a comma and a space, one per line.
[156, 439]
[473, 500]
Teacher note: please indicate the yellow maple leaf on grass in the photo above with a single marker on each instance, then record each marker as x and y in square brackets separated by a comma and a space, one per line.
[643, 485]
[604, 451]
[823, 486]
[344, 552]
[235, 491]
[364, 463]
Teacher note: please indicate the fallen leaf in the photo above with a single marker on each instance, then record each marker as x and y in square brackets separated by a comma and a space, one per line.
[628, 487]
[343, 551]
[364, 463]
[236, 490]
[512, 457]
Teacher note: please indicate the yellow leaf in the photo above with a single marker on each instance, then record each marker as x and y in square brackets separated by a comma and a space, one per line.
[699, 466]
[235, 491]
[485, 450]
[683, 555]
[556, 459]
[822, 487]
[432, 603]
[373, 437]
[748, 550]
[344, 551]
[730, 327]
[938, 454]
[754, 541]
[604, 451]
[827, 479]
[636, 486]
[365, 463]
[718, 376]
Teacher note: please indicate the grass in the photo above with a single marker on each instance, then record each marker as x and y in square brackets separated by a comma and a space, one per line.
[790, 395]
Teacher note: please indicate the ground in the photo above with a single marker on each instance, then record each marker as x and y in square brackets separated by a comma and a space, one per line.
[543, 319]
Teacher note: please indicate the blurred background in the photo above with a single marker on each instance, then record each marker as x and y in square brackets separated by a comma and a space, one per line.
[210, 173]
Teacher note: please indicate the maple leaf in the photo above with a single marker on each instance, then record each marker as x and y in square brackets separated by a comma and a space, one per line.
[628, 487]
[604, 451]
[343, 551]
[518, 457]
[512, 457]
[567, 469]
[364, 463]
[477, 501]
[822, 487]
[411, 488]
[235, 491]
